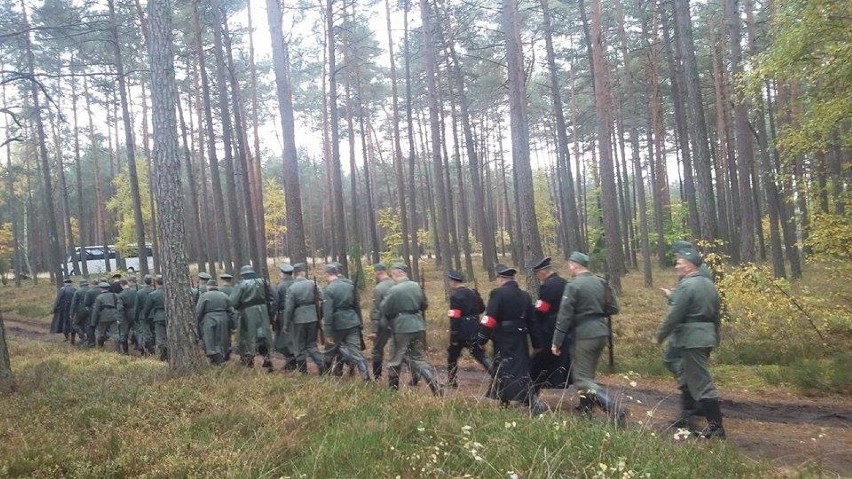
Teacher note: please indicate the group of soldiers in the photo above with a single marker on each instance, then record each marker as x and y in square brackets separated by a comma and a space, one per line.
[551, 342]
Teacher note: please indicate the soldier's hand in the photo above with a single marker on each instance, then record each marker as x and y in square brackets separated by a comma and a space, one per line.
[329, 341]
[372, 336]
[666, 292]
[556, 350]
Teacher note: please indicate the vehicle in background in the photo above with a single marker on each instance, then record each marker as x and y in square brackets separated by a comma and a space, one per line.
[96, 258]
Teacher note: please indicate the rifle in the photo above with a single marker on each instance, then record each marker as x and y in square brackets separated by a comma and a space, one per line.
[607, 301]
[357, 298]
[423, 289]
[318, 310]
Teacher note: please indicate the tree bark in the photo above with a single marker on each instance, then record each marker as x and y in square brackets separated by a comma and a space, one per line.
[7, 381]
[182, 336]
[412, 203]
[339, 228]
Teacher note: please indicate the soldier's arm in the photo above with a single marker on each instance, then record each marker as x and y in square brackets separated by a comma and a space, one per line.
[676, 313]
[455, 311]
[199, 309]
[327, 310]
[146, 310]
[489, 321]
[234, 299]
[119, 306]
[565, 316]
[376, 311]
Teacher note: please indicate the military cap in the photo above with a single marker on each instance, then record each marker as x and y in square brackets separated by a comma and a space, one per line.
[147, 277]
[225, 276]
[455, 276]
[204, 275]
[67, 281]
[331, 268]
[691, 255]
[505, 271]
[380, 267]
[211, 283]
[159, 276]
[285, 268]
[400, 266]
[681, 245]
[246, 269]
[299, 267]
[544, 263]
[84, 283]
[103, 285]
[580, 258]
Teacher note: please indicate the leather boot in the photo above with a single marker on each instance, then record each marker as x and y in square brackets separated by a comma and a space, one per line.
[714, 427]
[586, 404]
[538, 407]
[601, 398]
[302, 366]
[452, 373]
[377, 369]
[267, 363]
[211, 358]
[247, 360]
[164, 354]
[393, 383]
[73, 338]
[686, 420]
[435, 386]
[362, 370]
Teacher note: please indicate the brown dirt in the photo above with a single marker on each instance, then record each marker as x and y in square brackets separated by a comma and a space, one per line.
[785, 428]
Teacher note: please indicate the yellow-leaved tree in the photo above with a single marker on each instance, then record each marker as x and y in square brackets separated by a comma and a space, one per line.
[121, 205]
[274, 216]
[545, 213]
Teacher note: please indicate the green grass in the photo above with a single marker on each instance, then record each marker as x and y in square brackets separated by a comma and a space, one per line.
[96, 414]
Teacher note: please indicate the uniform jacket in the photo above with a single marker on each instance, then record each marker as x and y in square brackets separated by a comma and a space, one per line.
[155, 306]
[299, 307]
[380, 321]
[546, 309]
[692, 320]
[62, 310]
[213, 304]
[339, 307]
[403, 305]
[107, 308]
[582, 309]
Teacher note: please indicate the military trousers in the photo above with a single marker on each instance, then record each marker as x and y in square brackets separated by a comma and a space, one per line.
[142, 328]
[695, 374]
[107, 329]
[213, 330]
[382, 337]
[284, 339]
[412, 346]
[672, 358]
[347, 345]
[78, 325]
[160, 338]
[305, 343]
[586, 353]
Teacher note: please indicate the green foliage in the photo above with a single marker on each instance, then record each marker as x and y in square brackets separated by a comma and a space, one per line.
[391, 224]
[545, 212]
[125, 416]
[829, 237]
[274, 212]
[121, 205]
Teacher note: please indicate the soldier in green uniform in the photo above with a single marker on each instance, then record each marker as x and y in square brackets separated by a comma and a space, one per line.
[252, 298]
[200, 285]
[88, 303]
[142, 327]
[227, 286]
[283, 340]
[672, 352]
[583, 311]
[403, 305]
[301, 319]
[107, 312]
[693, 322]
[79, 314]
[381, 331]
[128, 298]
[211, 312]
[155, 312]
[342, 321]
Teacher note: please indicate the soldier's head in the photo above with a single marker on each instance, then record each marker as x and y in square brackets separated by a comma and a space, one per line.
[578, 263]
[246, 271]
[132, 281]
[399, 271]
[543, 269]
[455, 279]
[680, 245]
[688, 261]
[116, 277]
[148, 279]
[124, 284]
[332, 271]
[226, 278]
[286, 270]
[504, 273]
[103, 285]
[300, 270]
[67, 281]
[211, 284]
[203, 278]
[380, 270]
[158, 281]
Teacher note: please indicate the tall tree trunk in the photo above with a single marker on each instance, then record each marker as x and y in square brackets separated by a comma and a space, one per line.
[17, 263]
[614, 249]
[7, 381]
[464, 228]
[54, 258]
[254, 161]
[339, 229]
[100, 232]
[155, 243]
[182, 336]
[130, 144]
[412, 203]
[63, 184]
[283, 87]
[194, 221]
[729, 212]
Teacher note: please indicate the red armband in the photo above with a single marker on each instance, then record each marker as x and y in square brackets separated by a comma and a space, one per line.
[542, 306]
[454, 313]
[488, 322]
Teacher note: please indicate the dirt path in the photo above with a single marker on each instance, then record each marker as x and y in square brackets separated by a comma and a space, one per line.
[785, 428]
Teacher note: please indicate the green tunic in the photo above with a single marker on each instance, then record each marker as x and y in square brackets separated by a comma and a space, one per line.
[155, 311]
[582, 309]
[339, 306]
[403, 305]
[283, 336]
[299, 305]
[128, 297]
[379, 321]
[141, 324]
[251, 298]
[107, 313]
[212, 314]
[79, 315]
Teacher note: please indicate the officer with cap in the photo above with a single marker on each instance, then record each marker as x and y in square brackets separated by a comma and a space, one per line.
[107, 311]
[226, 286]
[88, 303]
[115, 285]
[692, 322]
[403, 305]
[583, 311]
[142, 326]
[465, 307]
[79, 315]
[128, 294]
[283, 339]
[381, 331]
[508, 317]
[212, 312]
[155, 312]
[200, 285]
[546, 369]
[342, 321]
[62, 309]
[302, 309]
[252, 298]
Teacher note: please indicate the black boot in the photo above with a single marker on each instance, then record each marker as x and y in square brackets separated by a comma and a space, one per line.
[714, 427]
[247, 360]
[687, 415]
[393, 383]
[73, 338]
[452, 373]
[377, 369]
[302, 366]
[601, 398]
[211, 358]
[267, 363]
[586, 405]
[538, 407]
[435, 386]
[362, 370]
[164, 354]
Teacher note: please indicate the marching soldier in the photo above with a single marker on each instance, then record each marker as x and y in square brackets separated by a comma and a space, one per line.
[155, 312]
[283, 340]
[107, 312]
[582, 311]
[465, 308]
[79, 314]
[142, 326]
[227, 287]
[251, 297]
[301, 319]
[115, 285]
[342, 321]
[62, 309]
[128, 298]
[547, 370]
[88, 303]
[693, 323]
[403, 305]
[381, 331]
[212, 312]
[507, 320]
[200, 286]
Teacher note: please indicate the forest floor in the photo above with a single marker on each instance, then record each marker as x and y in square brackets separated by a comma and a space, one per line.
[795, 433]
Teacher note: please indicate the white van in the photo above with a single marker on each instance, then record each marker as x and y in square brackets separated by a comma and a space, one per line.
[96, 257]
